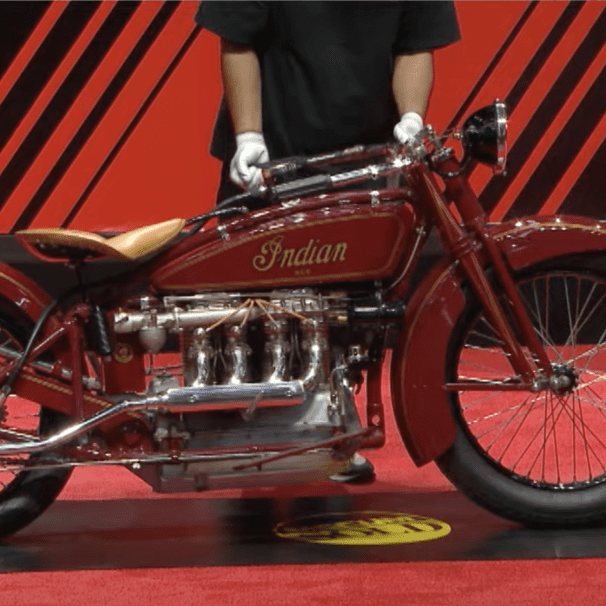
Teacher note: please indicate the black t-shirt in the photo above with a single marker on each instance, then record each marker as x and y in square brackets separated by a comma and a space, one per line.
[326, 66]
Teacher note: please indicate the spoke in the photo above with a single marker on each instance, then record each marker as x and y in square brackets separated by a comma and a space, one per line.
[541, 330]
[480, 400]
[529, 409]
[571, 341]
[555, 439]
[563, 408]
[546, 436]
[20, 418]
[594, 402]
[596, 306]
[585, 441]
[502, 425]
[476, 366]
[540, 429]
[550, 438]
[592, 434]
[543, 449]
[591, 353]
[492, 337]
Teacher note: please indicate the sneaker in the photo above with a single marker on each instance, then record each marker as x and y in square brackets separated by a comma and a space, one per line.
[359, 471]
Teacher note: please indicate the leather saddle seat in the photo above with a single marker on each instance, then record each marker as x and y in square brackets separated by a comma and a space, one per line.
[58, 244]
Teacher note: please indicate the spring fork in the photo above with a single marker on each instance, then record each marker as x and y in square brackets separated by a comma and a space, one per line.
[465, 247]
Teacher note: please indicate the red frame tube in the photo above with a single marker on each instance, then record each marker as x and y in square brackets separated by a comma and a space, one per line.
[472, 247]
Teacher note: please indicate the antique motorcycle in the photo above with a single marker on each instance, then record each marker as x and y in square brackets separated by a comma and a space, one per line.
[229, 352]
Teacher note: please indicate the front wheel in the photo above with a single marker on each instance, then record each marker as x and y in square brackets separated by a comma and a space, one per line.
[537, 458]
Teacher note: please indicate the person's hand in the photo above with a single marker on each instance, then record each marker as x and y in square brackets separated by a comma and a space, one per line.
[408, 126]
[250, 151]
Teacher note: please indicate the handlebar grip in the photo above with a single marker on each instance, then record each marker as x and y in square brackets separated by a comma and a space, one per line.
[302, 187]
[284, 168]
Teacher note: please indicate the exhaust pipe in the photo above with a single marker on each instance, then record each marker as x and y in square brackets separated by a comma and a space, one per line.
[240, 396]
[179, 400]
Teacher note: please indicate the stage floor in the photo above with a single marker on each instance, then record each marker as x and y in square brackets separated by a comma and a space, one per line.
[212, 531]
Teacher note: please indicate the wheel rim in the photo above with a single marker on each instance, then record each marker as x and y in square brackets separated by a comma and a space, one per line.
[552, 439]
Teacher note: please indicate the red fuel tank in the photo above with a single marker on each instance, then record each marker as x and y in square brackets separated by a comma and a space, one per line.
[340, 243]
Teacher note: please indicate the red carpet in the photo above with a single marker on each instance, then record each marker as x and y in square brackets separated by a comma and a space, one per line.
[516, 583]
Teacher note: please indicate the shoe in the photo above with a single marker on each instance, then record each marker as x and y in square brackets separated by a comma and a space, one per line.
[359, 471]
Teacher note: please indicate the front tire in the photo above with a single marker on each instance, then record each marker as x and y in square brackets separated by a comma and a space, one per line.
[537, 458]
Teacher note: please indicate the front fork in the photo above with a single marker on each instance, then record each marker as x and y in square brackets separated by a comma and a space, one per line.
[471, 246]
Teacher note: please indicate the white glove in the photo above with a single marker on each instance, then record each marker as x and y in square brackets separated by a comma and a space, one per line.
[408, 126]
[250, 150]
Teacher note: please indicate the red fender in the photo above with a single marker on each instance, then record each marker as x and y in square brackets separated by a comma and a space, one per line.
[27, 295]
[33, 300]
[418, 370]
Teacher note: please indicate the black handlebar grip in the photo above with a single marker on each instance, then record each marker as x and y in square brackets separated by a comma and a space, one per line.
[302, 187]
[284, 168]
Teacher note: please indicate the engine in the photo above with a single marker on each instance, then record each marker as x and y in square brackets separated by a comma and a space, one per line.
[200, 341]
[232, 377]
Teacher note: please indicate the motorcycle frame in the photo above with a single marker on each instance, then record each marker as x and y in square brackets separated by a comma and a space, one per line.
[471, 246]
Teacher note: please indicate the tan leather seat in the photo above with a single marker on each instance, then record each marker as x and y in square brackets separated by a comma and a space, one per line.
[69, 244]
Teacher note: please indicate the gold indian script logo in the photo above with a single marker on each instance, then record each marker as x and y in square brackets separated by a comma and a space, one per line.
[274, 254]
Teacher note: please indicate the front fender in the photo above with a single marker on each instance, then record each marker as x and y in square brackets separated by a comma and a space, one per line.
[532, 240]
[419, 363]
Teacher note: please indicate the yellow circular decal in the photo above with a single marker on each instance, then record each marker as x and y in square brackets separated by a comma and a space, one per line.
[123, 353]
[363, 528]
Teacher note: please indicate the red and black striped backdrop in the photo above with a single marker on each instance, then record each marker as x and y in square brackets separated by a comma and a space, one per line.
[106, 108]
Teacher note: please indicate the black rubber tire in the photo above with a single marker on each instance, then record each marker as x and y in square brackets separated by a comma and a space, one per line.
[29, 493]
[493, 458]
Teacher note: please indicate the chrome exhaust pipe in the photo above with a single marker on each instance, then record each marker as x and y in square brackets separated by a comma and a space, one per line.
[231, 396]
[178, 400]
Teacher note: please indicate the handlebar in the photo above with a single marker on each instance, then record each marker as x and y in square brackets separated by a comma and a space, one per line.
[391, 157]
[305, 186]
[482, 137]
[288, 167]
[321, 183]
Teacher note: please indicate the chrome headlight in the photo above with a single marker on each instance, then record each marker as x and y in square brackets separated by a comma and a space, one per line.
[484, 136]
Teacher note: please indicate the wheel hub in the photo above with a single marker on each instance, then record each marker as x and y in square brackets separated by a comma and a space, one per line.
[564, 379]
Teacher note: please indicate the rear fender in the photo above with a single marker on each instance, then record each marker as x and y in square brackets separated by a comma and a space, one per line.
[24, 292]
[32, 300]
[418, 372]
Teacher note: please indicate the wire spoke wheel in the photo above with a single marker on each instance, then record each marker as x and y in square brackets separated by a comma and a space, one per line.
[538, 457]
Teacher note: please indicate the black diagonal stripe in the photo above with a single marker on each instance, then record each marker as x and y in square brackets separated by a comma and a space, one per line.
[589, 192]
[23, 18]
[462, 111]
[550, 106]
[131, 127]
[96, 115]
[542, 55]
[42, 65]
[564, 150]
[61, 102]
